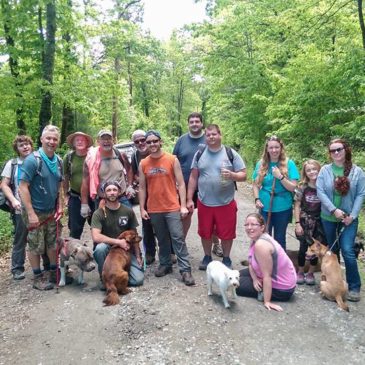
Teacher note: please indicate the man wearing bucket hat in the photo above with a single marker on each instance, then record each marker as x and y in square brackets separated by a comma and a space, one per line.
[73, 163]
[105, 163]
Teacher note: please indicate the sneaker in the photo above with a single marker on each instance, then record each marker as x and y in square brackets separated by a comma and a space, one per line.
[187, 278]
[163, 270]
[18, 275]
[41, 282]
[150, 259]
[260, 296]
[206, 260]
[173, 258]
[217, 249]
[353, 296]
[227, 261]
[309, 279]
[300, 278]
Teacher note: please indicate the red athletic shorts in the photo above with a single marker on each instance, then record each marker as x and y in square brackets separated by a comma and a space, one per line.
[220, 220]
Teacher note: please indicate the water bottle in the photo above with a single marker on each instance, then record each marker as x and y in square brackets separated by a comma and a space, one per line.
[225, 165]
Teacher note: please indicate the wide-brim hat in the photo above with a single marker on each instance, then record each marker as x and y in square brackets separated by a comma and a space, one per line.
[70, 139]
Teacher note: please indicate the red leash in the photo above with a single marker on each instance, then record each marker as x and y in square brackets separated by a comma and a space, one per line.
[57, 255]
[42, 223]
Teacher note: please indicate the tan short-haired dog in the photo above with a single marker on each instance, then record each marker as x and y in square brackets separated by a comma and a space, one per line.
[332, 286]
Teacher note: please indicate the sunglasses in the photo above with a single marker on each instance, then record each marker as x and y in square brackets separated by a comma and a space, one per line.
[154, 141]
[140, 141]
[337, 150]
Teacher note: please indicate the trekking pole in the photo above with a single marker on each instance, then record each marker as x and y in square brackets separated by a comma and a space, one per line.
[270, 204]
[57, 256]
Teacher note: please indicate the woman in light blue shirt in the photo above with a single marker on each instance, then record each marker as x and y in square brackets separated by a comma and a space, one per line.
[278, 173]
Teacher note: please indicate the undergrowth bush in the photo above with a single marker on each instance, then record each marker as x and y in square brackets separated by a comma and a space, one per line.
[6, 232]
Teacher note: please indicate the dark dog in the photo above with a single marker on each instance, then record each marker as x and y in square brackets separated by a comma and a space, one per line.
[332, 286]
[116, 267]
[360, 251]
[293, 255]
[74, 252]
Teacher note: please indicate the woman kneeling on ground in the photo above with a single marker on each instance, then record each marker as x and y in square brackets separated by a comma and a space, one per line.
[270, 274]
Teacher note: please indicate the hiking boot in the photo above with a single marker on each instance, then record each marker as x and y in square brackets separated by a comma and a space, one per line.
[150, 259]
[187, 278]
[41, 282]
[163, 270]
[353, 296]
[173, 258]
[206, 260]
[217, 249]
[18, 275]
[227, 261]
[309, 279]
[300, 278]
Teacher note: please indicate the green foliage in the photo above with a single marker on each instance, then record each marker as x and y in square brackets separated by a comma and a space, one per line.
[6, 233]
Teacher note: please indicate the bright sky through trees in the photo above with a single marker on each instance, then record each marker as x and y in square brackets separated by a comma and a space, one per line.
[162, 16]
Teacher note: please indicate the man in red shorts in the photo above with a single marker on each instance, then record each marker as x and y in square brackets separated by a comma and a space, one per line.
[214, 171]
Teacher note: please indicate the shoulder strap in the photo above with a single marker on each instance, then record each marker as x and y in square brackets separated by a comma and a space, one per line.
[14, 162]
[229, 153]
[201, 149]
[119, 155]
[69, 161]
[39, 162]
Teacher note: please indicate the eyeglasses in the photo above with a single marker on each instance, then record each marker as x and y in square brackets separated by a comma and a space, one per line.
[140, 141]
[154, 141]
[337, 150]
[252, 225]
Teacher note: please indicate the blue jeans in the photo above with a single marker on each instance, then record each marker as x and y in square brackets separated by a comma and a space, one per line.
[136, 275]
[347, 246]
[19, 243]
[75, 221]
[169, 230]
[279, 222]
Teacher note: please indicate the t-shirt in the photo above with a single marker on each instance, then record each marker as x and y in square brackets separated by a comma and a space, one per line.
[213, 191]
[7, 173]
[75, 175]
[309, 201]
[112, 169]
[185, 149]
[283, 273]
[161, 183]
[115, 222]
[43, 188]
[283, 199]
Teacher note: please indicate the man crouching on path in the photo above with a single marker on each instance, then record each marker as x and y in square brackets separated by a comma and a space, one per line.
[107, 224]
[159, 174]
[39, 188]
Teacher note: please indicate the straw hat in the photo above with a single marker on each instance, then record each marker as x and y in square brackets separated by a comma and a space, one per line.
[70, 139]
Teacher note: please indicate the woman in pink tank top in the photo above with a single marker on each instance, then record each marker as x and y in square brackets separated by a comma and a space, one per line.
[271, 274]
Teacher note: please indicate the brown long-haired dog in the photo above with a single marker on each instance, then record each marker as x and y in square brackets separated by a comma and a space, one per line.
[116, 267]
[332, 286]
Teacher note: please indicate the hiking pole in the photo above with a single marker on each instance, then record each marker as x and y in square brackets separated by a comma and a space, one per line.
[270, 204]
[57, 256]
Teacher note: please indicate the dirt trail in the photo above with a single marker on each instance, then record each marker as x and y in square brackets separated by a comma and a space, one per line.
[165, 322]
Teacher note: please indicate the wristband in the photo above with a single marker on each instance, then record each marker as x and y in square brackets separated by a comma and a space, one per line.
[256, 199]
[297, 222]
[333, 211]
[282, 178]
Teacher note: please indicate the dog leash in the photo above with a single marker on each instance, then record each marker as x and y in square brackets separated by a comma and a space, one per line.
[41, 223]
[57, 255]
[338, 235]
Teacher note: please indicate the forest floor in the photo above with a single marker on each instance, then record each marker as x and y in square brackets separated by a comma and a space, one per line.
[166, 322]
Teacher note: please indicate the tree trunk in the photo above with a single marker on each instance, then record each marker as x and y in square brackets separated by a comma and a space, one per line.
[45, 113]
[361, 21]
[115, 102]
[146, 106]
[13, 65]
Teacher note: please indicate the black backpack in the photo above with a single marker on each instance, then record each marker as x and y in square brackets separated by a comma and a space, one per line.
[4, 203]
[229, 153]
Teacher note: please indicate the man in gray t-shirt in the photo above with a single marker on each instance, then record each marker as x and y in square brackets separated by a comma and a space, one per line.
[214, 172]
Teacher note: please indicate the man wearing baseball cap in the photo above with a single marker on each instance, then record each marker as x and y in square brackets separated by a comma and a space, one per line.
[73, 162]
[105, 163]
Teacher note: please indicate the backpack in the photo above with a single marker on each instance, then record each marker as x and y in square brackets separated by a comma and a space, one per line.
[4, 203]
[229, 153]
[40, 163]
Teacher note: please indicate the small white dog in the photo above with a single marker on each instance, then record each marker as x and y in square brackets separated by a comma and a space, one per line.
[224, 278]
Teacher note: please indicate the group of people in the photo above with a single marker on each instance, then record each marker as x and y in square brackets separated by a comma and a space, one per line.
[97, 184]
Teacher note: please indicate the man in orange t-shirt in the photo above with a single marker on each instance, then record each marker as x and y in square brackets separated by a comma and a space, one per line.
[159, 176]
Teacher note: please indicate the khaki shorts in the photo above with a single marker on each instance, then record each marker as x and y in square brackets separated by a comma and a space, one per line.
[43, 238]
